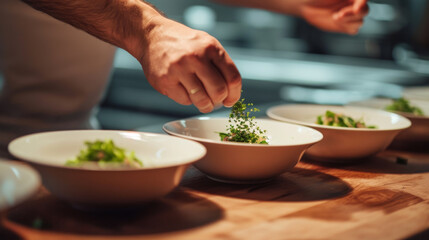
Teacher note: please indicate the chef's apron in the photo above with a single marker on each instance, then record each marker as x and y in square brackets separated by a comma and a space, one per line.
[53, 74]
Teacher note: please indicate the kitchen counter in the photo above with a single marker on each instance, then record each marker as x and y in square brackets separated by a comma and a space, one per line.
[375, 199]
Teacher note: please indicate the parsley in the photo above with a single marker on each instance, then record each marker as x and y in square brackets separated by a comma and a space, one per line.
[403, 105]
[103, 152]
[242, 127]
[339, 120]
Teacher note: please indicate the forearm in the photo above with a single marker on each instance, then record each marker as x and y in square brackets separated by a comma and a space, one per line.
[119, 22]
[290, 7]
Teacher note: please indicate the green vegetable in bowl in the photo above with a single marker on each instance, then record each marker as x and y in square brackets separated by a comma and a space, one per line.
[242, 127]
[339, 120]
[403, 105]
[104, 154]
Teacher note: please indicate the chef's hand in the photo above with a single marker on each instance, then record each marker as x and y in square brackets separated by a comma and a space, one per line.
[345, 16]
[189, 66]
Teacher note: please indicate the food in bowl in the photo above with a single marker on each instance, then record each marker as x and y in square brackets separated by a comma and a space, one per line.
[244, 163]
[165, 160]
[415, 138]
[404, 105]
[340, 120]
[105, 155]
[340, 144]
[242, 127]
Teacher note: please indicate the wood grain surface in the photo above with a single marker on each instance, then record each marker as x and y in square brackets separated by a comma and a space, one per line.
[376, 199]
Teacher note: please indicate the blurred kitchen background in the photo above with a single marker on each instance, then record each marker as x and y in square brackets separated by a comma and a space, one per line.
[283, 59]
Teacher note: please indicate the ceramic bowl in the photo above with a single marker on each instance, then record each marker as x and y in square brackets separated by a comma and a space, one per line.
[165, 159]
[341, 144]
[418, 133]
[18, 182]
[233, 162]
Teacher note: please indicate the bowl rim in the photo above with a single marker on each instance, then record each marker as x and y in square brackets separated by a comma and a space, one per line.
[270, 114]
[7, 163]
[205, 140]
[37, 162]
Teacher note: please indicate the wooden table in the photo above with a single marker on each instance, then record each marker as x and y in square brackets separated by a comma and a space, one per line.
[376, 199]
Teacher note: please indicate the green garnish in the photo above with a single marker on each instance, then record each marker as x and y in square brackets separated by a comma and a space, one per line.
[104, 152]
[339, 120]
[242, 127]
[403, 105]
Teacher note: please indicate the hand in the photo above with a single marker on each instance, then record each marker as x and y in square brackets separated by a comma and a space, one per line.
[189, 66]
[344, 16]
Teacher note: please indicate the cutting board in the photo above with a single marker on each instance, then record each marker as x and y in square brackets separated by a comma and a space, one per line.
[379, 198]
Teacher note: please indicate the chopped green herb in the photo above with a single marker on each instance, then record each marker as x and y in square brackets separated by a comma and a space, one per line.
[403, 105]
[339, 120]
[104, 152]
[242, 127]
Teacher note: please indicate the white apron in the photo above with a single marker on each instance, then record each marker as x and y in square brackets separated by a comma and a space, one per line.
[54, 74]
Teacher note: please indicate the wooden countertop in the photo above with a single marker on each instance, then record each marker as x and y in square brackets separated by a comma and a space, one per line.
[376, 199]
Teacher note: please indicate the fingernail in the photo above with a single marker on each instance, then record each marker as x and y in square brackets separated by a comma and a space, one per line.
[228, 105]
[206, 109]
[217, 106]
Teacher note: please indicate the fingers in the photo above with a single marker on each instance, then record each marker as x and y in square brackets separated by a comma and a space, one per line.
[218, 76]
[230, 73]
[178, 93]
[211, 79]
[360, 5]
[349, 14]
[193, 67]
[197, 93]
[349, 20]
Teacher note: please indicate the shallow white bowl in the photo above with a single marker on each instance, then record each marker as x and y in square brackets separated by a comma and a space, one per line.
[165, 160]
[342, 144]
[243, 162]
[18, 182]
[418, 133]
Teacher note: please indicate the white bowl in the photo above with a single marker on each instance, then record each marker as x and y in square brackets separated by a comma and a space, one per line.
[418, 133]
[165, 160]
[243, 162]
[18, 182]
[341, 144]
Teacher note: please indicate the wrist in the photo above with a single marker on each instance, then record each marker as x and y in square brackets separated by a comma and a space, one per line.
[147, 19]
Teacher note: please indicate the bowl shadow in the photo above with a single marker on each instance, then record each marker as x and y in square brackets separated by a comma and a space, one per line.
[179, 210]
[8, 234]
[389, 162]
[297, 185]
[410, 146]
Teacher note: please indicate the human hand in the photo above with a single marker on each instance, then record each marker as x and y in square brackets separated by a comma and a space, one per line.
[345, 16]
[189, 66]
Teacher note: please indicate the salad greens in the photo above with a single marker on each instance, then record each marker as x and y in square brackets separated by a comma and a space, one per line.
[339, 120]
[105, 152]
[242, 127]
[403, 105]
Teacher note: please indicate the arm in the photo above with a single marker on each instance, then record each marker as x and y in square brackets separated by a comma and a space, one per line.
[187, 65]
[345, 16]
[290, 7]
[108, 20]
